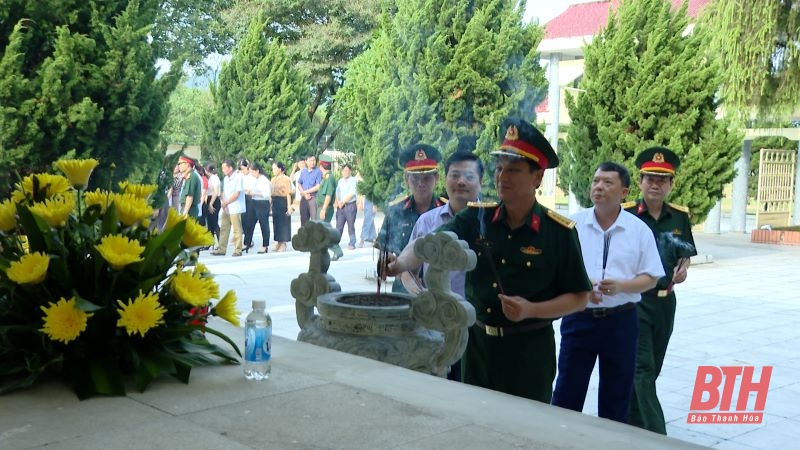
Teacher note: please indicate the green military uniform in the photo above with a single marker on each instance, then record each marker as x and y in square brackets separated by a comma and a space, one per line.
[328, 188]
[192, 186]
[657, 308]
[397, 225]
[416, 160]
[537, 261]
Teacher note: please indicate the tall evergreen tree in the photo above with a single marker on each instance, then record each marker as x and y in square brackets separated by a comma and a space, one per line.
[187, 108]
[758, 44]
[321, 38]
[647, 82]
[439, 72]
[81, 76]
[259, 103]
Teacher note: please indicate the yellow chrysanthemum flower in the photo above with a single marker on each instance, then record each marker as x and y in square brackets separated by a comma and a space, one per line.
[30, 269]
[196, 235]
[55, 210]
[226, 308]
[200, 269]
[50, 185]
[63, 321]
[100, 198]
[77, 171]
[194, 290]
[8, 215]
[173, 218]
[132, 209]
[137, 190]
[141, 314]
[119, 251]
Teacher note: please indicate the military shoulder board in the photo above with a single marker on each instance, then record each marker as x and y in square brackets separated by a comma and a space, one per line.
[561, 220]
[398, 200]
[630, 204]
[680, 208]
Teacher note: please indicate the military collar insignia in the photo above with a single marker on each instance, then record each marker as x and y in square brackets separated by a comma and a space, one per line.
[535, 222]
[641, 208]
[530, 250]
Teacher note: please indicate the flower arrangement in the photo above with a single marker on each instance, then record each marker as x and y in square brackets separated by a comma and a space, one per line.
[92, 292]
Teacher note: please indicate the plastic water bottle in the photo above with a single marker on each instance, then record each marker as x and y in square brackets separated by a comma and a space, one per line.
[257, 343]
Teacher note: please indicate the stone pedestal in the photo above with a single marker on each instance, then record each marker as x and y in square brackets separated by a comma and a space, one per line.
[427, 333]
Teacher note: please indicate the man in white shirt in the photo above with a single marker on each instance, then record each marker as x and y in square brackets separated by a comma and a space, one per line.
[622, 260]
[345, 204]
[233, 205]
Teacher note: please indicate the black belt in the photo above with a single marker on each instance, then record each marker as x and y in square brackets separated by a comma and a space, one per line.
[598, 313]
[507, 331]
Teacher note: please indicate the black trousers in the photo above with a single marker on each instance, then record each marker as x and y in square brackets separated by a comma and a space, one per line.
[248, 220]
[260, 215]
[281, 223]
[212, 219]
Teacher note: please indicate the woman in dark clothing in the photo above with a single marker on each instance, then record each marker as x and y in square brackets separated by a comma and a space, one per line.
[281, 206]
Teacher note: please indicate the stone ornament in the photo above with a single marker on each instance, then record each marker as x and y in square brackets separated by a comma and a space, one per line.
[427, 333]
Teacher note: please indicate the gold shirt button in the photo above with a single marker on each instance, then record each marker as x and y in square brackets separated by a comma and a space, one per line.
[528, 263]
[509, 236]
[494, 285]
[503, 261]
[489, 310]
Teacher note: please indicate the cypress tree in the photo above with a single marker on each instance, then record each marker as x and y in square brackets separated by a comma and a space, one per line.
[438, 72]
[259, 103]
[647, 82]
[758, 44]
[80, 78]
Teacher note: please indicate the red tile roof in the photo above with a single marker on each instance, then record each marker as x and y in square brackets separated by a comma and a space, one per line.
[586, 19]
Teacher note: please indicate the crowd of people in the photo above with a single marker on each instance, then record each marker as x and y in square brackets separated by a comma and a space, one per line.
[603, 271]
[246, 196]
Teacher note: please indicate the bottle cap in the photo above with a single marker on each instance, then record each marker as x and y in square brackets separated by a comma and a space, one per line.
[259, 304]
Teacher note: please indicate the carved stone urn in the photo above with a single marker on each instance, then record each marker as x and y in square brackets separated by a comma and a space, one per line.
[427, 332]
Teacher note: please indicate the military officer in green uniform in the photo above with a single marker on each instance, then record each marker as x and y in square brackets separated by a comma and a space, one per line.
[325, 196]
[657, 167]
[529, 272]
[420, 164]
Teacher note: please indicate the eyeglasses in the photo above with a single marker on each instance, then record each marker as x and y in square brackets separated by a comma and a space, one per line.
[421, 178]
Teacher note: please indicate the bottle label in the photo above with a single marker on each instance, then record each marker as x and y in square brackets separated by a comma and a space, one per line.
[257, 344]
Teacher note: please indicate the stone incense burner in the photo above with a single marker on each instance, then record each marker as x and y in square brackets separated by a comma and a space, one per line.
[427, 332]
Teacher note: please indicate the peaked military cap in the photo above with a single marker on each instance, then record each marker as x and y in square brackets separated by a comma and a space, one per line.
[420, 158]
[325, 161]
[523, 140]
[658, 161]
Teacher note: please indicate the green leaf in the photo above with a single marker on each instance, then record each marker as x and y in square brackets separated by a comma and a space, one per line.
[225, 338]
[85, 305]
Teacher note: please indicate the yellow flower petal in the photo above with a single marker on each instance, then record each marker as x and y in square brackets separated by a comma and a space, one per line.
[77, 171]
[8, 215]
[55, 210]
[137, 190]
[132, 209]
[119, 251]
[30, 269]
[173, 218]
[193, 290]
[63, 321]
[100, 198]
[141, 314]
[40, 186]
[196, 235]
[226, 308]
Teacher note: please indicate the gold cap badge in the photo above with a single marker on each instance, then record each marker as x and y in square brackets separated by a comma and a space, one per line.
[512, 134]
[658, 157]
[420, 156]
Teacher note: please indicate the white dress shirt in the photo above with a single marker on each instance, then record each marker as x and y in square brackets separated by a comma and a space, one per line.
[632, 251]
[232, 185]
